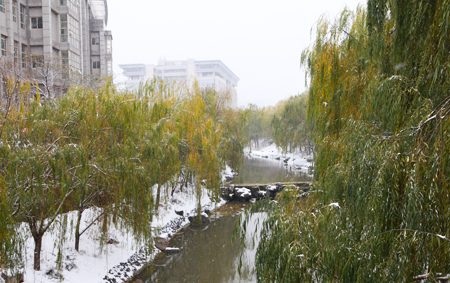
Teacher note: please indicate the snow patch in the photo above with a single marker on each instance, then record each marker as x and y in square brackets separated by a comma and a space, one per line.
[114, 261]
[334, 204]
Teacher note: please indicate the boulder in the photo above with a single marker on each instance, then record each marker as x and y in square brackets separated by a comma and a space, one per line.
[228, 193]
[112, 241]
[194, 220]
[172, 250]
[254, 190]
[272, 191]
[261, 194]
[161, 243]
[243, 194]
[70, 266]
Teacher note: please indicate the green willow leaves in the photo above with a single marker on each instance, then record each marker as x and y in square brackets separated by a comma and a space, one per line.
[110, 150]
[379, 99]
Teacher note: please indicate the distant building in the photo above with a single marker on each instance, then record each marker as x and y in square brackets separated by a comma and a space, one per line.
[72, 31]
[209, 73]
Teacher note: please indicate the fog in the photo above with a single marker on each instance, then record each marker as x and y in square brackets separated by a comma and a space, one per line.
[260, 41]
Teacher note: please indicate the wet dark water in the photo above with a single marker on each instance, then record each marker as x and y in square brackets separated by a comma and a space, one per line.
[208, 254]
[261, 171]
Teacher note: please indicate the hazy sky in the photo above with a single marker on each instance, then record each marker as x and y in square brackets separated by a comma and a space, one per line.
[260, 41]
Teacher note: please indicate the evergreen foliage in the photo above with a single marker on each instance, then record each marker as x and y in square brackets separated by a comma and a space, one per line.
[378, 106]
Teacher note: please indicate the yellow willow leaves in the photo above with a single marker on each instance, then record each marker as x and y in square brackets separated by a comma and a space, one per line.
[109, 149]
[379, 104]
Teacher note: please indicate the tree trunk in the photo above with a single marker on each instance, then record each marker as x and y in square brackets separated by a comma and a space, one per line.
[158, 192]
[77, 231]
[199, 201]
[37, 251]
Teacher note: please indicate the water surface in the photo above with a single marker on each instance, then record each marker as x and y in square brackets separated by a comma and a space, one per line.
[262, 171]
[208, 253]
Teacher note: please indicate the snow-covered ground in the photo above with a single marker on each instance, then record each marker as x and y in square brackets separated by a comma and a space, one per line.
[98, 261]
[297, 160]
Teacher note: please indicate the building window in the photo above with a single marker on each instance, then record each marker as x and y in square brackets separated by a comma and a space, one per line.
[2, 6]
[24, 56]
[22, 16]
[14, 10]
[108, 46]
[65, 63]
[95, 41]
[3, 45]
[37, 60]
[109, 70]
[70, 31]
[73, 4]
[74, 33]
[64, 28]
[96, 65]
[16, 51]
[65, 57]
[36, 22]
[74, 61]
[175, 71]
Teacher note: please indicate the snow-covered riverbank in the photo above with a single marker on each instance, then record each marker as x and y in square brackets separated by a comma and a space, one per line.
[112, 259]
[298, 160]
[116, 257]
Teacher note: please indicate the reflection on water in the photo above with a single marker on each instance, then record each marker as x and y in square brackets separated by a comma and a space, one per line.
[208, 255]
[262, 171]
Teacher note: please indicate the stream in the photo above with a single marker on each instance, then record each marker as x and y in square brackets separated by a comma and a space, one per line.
[208, 254]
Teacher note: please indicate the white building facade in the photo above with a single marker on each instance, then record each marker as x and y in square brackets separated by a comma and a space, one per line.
[208, 73]
[71, 30]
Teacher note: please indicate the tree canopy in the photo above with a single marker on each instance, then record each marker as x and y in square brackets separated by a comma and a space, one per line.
[107, 149]
[379, 98]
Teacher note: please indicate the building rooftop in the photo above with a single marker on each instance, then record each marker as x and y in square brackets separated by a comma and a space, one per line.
[99, 9]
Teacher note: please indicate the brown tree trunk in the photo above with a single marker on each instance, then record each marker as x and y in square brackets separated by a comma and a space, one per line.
[77, 231]
[37, 251]
[158, 192]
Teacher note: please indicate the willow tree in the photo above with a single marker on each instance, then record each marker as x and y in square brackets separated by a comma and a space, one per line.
[200, 136]
[378, 104]
[290, 128]
[107, 150]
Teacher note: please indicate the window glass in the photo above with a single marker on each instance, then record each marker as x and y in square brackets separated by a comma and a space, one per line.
[24, 55]
[22, 16]
[65, 57]
[14, 8]
[95, 41]
[96, 64]
[3, 45]
[108, 46]
[74, 61]
[16, 51]
[36, 22]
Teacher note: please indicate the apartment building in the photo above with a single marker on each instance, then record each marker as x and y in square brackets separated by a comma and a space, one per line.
[72, 31]
[208, 73]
